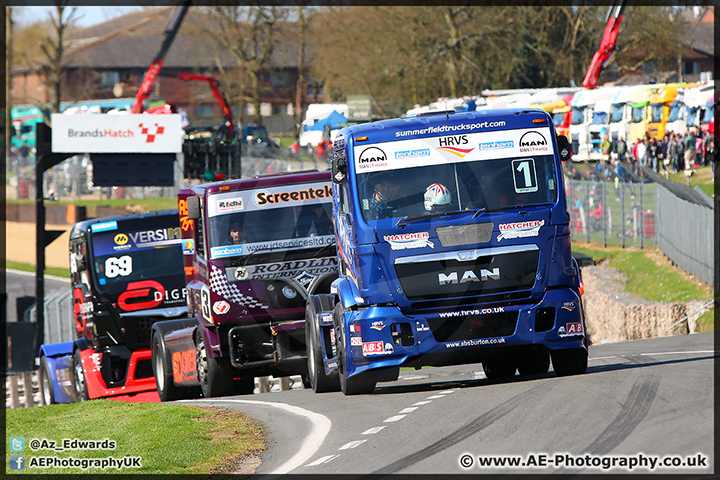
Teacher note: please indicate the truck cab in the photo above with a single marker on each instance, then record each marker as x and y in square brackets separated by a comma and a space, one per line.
[662, 102]
[253, 250]
[586, 124]
[126, 274]
[463, 257]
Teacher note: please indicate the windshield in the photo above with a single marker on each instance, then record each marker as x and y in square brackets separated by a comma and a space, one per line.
[137, 255]
[578, 116]
[491, 184]
[693, 117]
[600, 118]
[674, 113]
[656, 113]
[263, 221]
[616, 113]
[559, 119]
[638, 114]
[255, 133]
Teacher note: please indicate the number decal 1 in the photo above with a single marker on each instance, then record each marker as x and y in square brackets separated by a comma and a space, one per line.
[115, 266]
[524, 175]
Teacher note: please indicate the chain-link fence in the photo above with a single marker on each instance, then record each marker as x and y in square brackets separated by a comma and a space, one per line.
[613, 213]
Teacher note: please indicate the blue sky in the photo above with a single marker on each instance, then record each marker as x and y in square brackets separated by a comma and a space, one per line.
[85, 16]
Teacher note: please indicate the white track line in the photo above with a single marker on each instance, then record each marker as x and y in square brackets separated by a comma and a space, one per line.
[320, 428]
[650, 354]
[372, 431]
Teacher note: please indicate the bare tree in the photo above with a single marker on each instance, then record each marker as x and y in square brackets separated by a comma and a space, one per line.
[249, 33]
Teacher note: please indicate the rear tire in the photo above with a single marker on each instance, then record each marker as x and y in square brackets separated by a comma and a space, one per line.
[46, 388]
[499, 368]
[571, 361]
[360, 383]
[318, 380]
[534, 362]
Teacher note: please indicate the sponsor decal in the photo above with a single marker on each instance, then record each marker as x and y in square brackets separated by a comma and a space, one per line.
[468, 276]
[409, 240]
[571, 329]
[497, 145]
[149, 132]
[418, 152]
[354, 328]
[183, 365]
[103, 227]
[205, 303]
[452, 140]
[520, 229]
[373, 348]
[305, 278]
[229, 251]
[450, 128]
[241, 273]
[141, 296]
[121, 239]
[356, 341]
[378, 325]
[221, 307]
[466, 313]
[372, 157]
[389, 348]
[533, 141]
[421, 327]
[569, 306]
[188, 247]
[264, 197]
[232, 205]
[460, 152]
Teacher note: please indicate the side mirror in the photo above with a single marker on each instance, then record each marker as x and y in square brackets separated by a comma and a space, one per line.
[564, 148]
[339, 169]
[193, 206]
[81, 262]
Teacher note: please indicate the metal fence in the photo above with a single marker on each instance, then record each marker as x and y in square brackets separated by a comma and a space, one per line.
[58, 317]
[613, 213]
[687, 236]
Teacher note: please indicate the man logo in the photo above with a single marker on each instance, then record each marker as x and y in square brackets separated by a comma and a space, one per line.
[372, 155]
[468, 276]
[121, 239]
[533, 139]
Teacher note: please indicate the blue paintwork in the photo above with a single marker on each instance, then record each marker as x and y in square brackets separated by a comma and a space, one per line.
[59, 361]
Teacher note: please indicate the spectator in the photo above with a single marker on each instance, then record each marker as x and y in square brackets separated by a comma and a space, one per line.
[620, 149]
[652, 154]
[641, 152]
[699, 150]
[672, 153]
[690, 154]
[605, 147]
[711, 157]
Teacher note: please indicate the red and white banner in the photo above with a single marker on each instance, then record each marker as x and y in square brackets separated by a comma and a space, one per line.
[117, 133]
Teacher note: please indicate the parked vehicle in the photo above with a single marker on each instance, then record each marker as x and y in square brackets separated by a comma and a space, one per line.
[584, 138]
[23, 120]
[621, 111]
[454, 248]
[254, 249]
[641, 112]
[662, 102]
[126, 273]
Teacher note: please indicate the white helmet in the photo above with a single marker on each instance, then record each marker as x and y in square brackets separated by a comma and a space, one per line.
[436, 195]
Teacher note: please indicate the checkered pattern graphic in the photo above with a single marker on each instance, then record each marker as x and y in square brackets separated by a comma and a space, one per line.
[220, 285]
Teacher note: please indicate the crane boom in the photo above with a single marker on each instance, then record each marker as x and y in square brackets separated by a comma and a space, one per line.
[607, 45]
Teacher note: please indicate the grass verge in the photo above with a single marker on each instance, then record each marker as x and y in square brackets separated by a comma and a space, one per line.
[27, 267]
[650, 280]
[169, 438]
[131, 204]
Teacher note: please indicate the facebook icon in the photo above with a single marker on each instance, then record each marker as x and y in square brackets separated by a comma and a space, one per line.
[17, 462]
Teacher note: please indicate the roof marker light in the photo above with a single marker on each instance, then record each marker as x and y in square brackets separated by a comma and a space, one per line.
[360, 139]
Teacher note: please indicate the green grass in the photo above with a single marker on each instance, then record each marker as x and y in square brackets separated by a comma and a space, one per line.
[26, 267]
[169, 438]
[142, 204]
[702, 179]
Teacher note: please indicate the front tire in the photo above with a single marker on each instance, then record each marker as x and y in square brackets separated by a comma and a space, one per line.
[212, 373]
[318, 380]
[162, 369]
[46, 388]
[79, 383]
[571, 361]
[358, 384]
[499, 368]
[534, 362]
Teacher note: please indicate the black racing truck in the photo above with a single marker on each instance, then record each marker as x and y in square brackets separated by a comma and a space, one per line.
[253, 250]
[126, 273]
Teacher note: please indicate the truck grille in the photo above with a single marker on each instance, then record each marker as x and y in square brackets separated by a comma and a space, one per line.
[488, 271]
[473, 326]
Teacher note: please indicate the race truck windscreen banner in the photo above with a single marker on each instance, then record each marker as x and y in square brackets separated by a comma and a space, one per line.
[466, 171]
[142, 268]
[288, 217]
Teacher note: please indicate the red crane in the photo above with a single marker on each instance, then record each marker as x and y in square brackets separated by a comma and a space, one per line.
[607, 45]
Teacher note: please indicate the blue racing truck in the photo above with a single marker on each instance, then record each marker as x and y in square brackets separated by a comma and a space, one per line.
[454, 248]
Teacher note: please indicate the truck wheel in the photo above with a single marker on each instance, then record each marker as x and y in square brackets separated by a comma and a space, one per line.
[163, 372]
[46, 388]
[358, 384]
[214, 374]
[79, 383]
[534, 362]
[571, 361]
[318, 380]
[499, 369]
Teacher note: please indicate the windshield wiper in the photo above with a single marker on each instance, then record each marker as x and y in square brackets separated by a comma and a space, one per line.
[408, 218]
[243, 260]
[323, 250]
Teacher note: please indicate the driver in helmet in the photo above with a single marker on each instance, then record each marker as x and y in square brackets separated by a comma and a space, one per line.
[437, 198]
